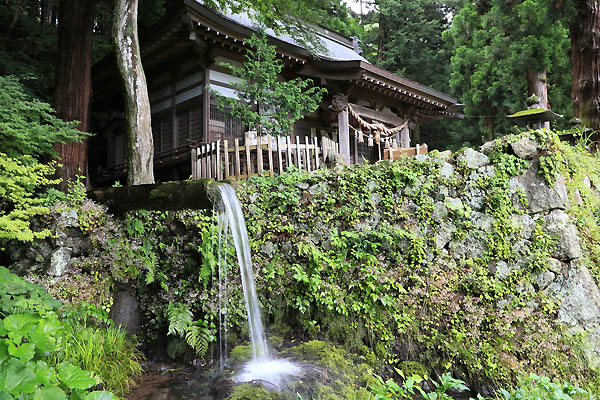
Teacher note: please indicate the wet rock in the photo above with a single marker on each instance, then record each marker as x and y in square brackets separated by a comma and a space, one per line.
[580, 308]
[268, 248]
[444, 234]
[445, 155]
[447, 170]
[542, 279]
[525, 148]
[482, 221]
[567, 248]
[472, 246]
[555, 266]
[440, 212]
[375, 199]
[473, 159]
[487, 147]
[542, 197]
[69, 219]
[525, 224]
[124, 311]
[500, 269]
[59, 261]
[453, 204]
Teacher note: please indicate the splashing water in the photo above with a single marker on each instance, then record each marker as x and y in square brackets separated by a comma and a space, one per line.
[262, 367]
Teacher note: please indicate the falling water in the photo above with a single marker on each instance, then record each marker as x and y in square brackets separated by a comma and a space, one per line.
[262, 367]
[231, 215]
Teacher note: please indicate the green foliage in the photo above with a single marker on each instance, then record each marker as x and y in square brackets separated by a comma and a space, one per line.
[28, 129]
[21, 183]
[105, 351]
[29, 52]
[195, 333]
[263, 102]
[30, 334]
[360, 245]
[489, 72]
[411, 387]
[412, 44]
[540, 387]
[28, 126]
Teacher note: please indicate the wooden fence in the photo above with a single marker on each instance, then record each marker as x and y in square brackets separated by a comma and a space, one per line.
[267, 156]
[398, 153]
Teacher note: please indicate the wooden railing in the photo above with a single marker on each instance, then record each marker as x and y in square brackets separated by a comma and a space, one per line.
[219, 160]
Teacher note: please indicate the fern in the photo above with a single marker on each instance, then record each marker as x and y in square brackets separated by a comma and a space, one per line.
[181, 323]
[198, 338]
[180, 318]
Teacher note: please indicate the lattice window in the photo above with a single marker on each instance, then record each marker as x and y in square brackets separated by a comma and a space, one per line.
[224, 126]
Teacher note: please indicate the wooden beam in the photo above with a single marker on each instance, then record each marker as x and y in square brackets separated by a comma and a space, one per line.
[178, 195]
[377, 115]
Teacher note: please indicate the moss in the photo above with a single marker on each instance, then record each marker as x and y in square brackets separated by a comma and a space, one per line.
[322, 354]
[177, 347]
[240, 354]
[368, 355]
[275, 341]
[411, 368]
[252, 392]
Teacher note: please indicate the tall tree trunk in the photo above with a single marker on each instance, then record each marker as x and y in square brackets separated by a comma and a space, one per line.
[380, 37]
[585, 63]
[537, 85]
[73, 88]
[46, 13]
[137, 105]
[488, 131]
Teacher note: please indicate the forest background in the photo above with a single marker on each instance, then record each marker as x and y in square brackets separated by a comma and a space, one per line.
[482, 52]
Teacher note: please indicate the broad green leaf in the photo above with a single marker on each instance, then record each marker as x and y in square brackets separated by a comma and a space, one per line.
[101, 396]
[5, 396]
[24, 352]
[17, 377]
[74, 377]
[19, 325]
[49, 326]
[49, 393]
[46, 374]
[42, 342]
[3, 350]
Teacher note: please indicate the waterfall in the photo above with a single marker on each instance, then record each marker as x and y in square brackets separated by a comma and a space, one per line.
[273, 371]
[229, 215]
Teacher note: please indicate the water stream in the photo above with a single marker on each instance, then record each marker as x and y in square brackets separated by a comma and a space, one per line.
[262, 368]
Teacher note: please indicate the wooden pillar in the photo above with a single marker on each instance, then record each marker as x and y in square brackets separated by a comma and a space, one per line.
[339, 104]
[206, 107]
[405, 138]
[344, 134]
[173, 112]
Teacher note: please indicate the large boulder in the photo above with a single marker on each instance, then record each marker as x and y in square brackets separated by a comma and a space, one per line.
[540, 196]
[525, 148]
[473, 159]
[580, 308]
[557, 223]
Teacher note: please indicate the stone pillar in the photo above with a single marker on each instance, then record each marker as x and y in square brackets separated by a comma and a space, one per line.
[339, 104]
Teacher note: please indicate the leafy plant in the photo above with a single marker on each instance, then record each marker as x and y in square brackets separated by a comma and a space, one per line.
[31, 333]
[264, 102]
[181, 323]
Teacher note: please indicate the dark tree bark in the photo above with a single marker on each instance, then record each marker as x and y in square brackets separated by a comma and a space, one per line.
[73, 81]
[585, 63]
[137, 105]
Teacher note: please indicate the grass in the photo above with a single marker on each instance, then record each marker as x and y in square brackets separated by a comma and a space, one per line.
[105, 351]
